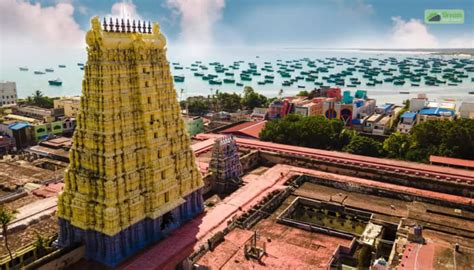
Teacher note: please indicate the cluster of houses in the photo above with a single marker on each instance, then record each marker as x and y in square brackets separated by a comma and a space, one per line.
[361, 113]
[421, 109]
[23, 125]
[356, 111]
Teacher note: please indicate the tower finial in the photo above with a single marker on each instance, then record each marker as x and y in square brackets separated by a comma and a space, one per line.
[134, 28]
[128, 26]
[123, 26]
[139, 26]
[117, 25]
[149, 27]
[104, 25]
[111, 25]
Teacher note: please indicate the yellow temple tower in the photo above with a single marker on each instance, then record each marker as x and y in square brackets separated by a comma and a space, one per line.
[132, 176]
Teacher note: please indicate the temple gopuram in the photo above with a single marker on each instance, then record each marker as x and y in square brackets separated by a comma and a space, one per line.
[225, 165]
[132, 177]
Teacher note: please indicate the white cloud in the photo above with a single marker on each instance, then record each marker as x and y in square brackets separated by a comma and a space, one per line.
[24, 22]
[410, 34]
[465, 41]
[197, 20]
[125, 9]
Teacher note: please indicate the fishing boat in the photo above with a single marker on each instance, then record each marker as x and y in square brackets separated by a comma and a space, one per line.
[61, 66]
[399, 82]
[261, 82]
[227, 80]
[239, 84]
[80, 64]
[471, 93]
[82, 68]
[178, 79]
[23, 69]
[415, 84]
[56, 82]
[39, 72]
[404, 92]
[215, 82]
[49, 70]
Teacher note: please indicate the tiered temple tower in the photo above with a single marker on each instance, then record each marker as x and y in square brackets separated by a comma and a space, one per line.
[132, 176]
[225, 165]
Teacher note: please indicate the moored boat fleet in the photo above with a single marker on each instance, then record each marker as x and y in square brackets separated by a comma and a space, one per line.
[352, 72]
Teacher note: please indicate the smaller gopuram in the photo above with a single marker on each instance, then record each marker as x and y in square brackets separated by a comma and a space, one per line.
[225, 165]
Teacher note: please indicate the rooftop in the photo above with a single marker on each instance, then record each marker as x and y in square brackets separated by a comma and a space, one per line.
[247, 129]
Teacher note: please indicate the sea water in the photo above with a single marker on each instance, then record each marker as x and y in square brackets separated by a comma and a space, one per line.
[72, 75]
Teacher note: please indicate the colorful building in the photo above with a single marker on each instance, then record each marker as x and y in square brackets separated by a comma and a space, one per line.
[132, 177]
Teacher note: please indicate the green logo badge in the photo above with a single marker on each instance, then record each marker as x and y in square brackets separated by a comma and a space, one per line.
[444, 16]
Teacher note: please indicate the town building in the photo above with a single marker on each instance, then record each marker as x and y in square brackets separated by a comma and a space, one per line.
[132, 177]
[407, 122]
[42, 114]
[466, 110]
[436, 113]
[70, 105]
[8, 94]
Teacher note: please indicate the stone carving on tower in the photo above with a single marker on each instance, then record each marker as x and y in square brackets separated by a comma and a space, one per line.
[132, 176]
[225, 165]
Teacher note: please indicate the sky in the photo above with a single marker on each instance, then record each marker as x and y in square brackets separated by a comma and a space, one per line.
[40, 28]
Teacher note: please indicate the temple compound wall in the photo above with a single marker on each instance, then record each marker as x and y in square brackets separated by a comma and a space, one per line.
[132, 177]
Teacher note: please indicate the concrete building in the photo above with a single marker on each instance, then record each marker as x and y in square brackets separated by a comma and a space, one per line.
[407, 121]
[418, 103]
[466, 110]
[8, 95]
[434, 114]
[70, 105]
[370, 123]
[132, 177]
[42, 114]
[382, 126]
[195, 125]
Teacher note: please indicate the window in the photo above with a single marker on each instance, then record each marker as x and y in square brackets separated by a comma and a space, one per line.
[155, 135]
[146, 83]
[167, 196]
[149, 100]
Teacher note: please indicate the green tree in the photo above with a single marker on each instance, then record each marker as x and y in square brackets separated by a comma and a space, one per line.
[311, 131]
[303, 93]
[228, 102]
[6, 216]
[443, 138]
[198, 105]
[38, 99]
[361, 145]
[397, 145]
[253, 99]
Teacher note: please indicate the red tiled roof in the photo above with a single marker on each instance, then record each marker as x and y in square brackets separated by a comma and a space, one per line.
[247, 129]
[452, 161]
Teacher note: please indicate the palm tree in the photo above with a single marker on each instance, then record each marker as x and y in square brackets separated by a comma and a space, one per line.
[6, 216]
